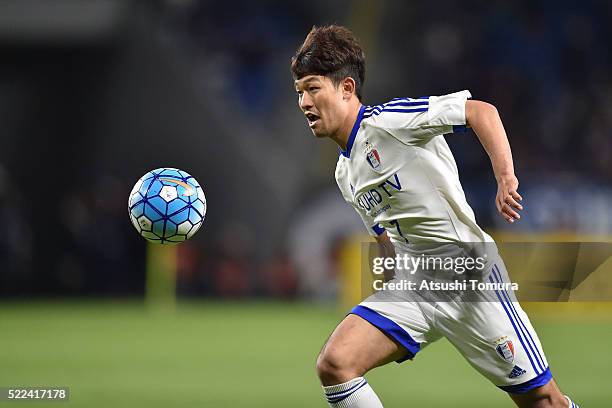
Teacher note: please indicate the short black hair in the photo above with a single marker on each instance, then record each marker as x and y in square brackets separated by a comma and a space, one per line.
[331, 51]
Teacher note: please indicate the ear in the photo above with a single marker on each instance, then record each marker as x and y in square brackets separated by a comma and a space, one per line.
[348, 88]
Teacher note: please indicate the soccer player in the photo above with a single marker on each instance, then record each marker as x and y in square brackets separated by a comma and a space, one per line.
[397, 171]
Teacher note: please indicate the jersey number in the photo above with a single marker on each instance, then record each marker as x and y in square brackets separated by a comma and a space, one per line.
[399, 230]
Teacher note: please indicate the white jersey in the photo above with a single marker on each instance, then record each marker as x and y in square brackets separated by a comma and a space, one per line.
[400, 175]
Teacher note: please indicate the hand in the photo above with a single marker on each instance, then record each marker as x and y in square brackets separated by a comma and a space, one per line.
[507, 200]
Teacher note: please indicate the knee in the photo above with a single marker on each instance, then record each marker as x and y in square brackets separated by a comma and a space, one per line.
[550, 401]
[336, 367]
[557, 400]
[548, 396]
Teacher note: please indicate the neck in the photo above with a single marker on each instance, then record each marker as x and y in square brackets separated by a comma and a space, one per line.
[341, 137]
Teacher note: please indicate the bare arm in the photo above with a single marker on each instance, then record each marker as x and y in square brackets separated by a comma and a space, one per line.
[484, 119]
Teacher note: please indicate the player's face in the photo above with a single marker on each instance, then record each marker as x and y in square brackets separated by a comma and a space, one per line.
[321, 102]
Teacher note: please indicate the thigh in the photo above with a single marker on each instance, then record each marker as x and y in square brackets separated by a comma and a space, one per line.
[377, 332]
[496, 337]
[357, 343]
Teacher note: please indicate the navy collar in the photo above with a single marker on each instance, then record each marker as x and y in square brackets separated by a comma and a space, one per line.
[351, 139]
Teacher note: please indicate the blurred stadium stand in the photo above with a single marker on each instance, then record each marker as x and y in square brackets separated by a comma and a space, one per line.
[95, 93]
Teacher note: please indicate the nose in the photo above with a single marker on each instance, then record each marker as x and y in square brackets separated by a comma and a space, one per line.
[305, 101]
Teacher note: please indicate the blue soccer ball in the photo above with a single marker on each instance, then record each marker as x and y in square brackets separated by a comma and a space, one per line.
[167, 206]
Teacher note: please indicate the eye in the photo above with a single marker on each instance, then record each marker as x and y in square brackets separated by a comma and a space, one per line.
[313, 88]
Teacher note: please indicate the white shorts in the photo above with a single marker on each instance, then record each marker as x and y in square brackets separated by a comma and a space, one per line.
[493, 334]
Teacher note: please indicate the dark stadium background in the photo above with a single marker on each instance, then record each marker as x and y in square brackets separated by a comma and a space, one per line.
[93, 94]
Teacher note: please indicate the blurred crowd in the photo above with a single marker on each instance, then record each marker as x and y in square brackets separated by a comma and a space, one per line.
[544, 64]
[84, 117]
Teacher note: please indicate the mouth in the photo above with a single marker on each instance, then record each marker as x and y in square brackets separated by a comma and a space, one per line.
[312, 119]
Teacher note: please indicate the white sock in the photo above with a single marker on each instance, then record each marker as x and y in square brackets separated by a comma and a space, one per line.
[355, 393]
[571, 404]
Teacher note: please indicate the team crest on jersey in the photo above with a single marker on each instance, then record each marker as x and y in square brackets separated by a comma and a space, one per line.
[372, 156]
[505, 349]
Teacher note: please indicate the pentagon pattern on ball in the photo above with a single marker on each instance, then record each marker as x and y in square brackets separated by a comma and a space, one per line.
[145, 223]
[167, 206]
[194, 230]
[168, 193]
[184, 227]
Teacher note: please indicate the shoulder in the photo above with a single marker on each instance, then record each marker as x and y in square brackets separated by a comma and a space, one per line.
[412, 113]
[397, 105]
[412, 105]
[395, 112]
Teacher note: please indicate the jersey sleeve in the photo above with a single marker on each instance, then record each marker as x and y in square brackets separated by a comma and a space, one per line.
[417, 120]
